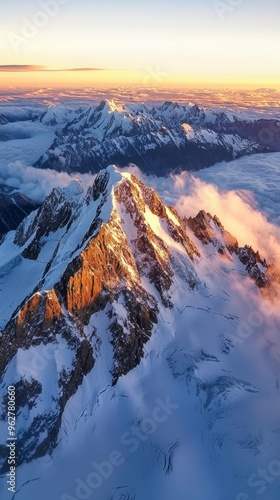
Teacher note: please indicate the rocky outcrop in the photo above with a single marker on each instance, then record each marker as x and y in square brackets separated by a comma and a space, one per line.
[3, 120]
[42, 322]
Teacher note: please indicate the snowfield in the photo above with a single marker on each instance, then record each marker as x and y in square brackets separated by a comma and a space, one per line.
[198, 417]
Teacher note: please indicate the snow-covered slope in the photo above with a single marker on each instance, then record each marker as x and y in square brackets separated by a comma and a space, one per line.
[159, 139]
[140, 339]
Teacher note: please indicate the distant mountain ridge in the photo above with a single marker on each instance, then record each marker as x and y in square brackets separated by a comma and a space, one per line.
[159, 139]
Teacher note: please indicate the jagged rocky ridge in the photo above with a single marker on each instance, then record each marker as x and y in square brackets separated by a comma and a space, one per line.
[94, 269]
[3, 120]
[158, 139]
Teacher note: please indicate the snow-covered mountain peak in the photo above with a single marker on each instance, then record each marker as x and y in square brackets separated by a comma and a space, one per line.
[112, 106]
[114, 290]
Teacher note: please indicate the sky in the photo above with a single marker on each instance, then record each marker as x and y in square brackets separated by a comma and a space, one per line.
[183, 43]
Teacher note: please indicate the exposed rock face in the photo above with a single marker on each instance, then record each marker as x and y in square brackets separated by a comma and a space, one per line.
[152, 252]
[41, 322]
[209, 229]
[3, 120]
[100, 267]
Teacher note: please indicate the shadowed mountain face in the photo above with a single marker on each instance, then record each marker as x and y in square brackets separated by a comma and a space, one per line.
[99, 275]
[161, 139]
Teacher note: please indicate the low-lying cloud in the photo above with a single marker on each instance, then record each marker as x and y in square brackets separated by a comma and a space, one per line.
[37, 183]
[237, 210]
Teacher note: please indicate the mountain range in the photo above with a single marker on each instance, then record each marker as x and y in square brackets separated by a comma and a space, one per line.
[160, 139]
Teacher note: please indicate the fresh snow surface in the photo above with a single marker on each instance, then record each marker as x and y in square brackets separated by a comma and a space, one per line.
[255, 179]
[222, 425]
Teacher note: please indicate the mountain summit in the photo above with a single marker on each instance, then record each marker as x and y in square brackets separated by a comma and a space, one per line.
[159, 139]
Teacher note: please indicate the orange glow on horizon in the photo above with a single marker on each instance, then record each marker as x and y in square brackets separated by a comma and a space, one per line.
[134, 78]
